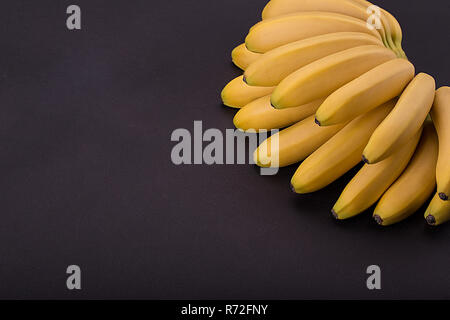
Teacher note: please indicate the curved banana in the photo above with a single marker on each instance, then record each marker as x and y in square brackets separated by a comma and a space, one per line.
[277, 8]
[277, 64]
[372, 181]
[259, 115]
[242, 57]
[324, 76]
[366, 92]
[391, 26]
[403, 122]
[396, 33]
[438, 212]
[339, 154]
[273, 33]
[440, 113]
[294, 144]
[237, 93]
[414, 186]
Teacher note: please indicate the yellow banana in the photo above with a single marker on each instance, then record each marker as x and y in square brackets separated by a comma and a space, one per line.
[324, 76]
[440, 113]
[259, 115]
[242, 57]
[396, 33]
[350, 8]
[276, 8]
[277, 64]
[237, 93]
[389, 30]
[272, 33]
[372, 181]
[392, 28]
[438, 212]
[404, 121]
[339, 154]
[294, 143]
[414, 186]
[366, 92]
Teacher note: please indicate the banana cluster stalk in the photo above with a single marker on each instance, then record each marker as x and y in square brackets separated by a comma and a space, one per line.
[333, 77]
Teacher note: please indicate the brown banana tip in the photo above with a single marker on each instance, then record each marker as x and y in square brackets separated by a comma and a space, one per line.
[317, 122]
[443, 196]
[293, 188]
[244, 79]
[365, 160]
[431, 220]
[334, 214]
[378, 219]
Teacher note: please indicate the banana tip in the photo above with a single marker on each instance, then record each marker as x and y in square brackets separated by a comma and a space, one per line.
[317, 122]
[273, 106]
[365, 160]
[293, 188]
[443, 196]
[334, 214]
[378, 219]
[431, 220]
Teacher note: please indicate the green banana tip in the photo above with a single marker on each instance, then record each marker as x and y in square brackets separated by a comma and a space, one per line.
[273, 106]
[431, 220]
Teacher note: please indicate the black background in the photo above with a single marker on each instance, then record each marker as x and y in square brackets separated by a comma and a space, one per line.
[86, 176]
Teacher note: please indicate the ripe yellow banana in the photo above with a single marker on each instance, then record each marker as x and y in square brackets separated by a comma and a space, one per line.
[259, 115]
[242, 57]
[324, 76]
[366, 92]
[277, 8]
[404, 121]
[237, 93]
[272, 33]
[339, 154]
[396, 33]
[277, 64]
[414, 186]
[440, 113]
[391, 26]
[438, 212]
[294, 143]
[372, 181]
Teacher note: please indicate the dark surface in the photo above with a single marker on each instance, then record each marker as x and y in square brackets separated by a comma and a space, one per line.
[85, 123]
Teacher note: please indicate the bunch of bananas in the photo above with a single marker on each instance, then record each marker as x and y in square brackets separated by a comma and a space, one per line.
[344, 91]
